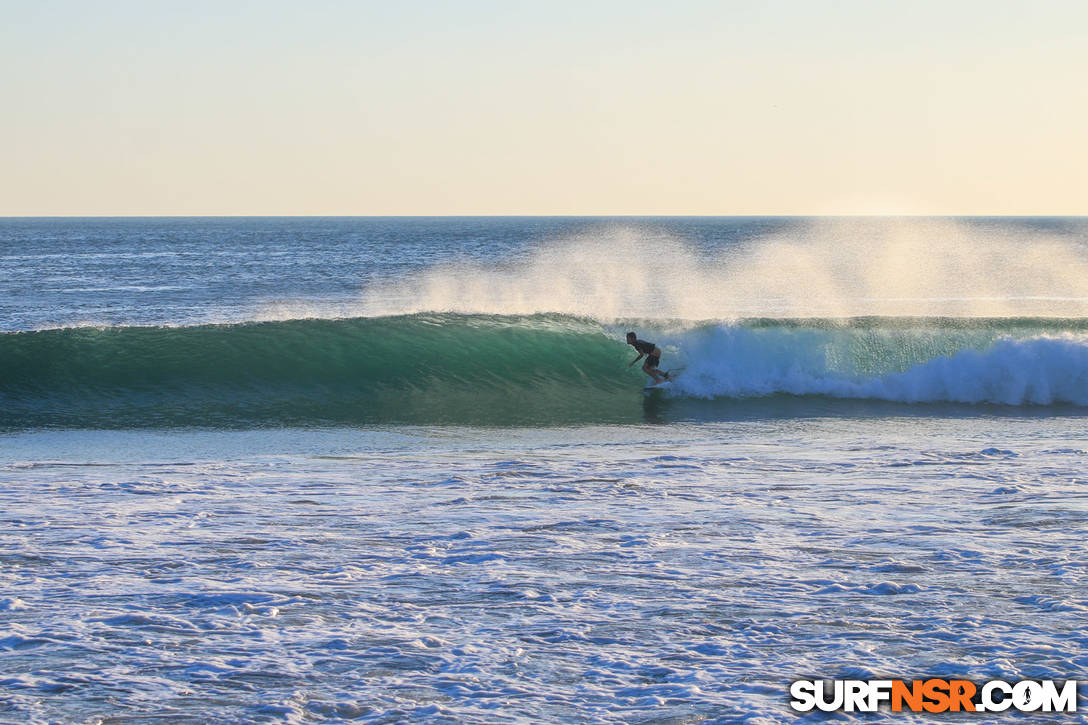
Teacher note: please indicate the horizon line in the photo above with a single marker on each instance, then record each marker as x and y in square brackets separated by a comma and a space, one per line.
[550, 216]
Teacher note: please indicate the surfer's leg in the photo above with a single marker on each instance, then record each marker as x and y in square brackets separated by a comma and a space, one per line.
[655, 361]
[652, 372]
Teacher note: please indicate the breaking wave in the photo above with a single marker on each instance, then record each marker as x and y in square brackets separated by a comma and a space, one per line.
[437, 369]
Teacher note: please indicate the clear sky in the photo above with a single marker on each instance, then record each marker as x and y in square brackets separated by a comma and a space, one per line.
[506, 107]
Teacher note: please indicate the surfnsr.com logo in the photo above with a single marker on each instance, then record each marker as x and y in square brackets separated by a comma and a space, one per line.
[934, 695]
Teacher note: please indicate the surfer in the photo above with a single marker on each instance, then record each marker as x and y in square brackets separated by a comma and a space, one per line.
[653, 358]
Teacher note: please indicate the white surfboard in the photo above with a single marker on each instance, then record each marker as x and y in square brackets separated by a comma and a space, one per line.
[664, 383]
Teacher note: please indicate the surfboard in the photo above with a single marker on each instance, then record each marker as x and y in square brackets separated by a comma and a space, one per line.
[665, 383]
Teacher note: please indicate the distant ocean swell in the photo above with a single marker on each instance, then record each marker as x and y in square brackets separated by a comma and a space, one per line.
[436, 369]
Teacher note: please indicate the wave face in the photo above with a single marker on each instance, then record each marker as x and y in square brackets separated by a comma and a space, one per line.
[519, 370]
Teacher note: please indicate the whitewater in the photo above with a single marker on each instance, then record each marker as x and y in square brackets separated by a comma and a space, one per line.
[398, 470]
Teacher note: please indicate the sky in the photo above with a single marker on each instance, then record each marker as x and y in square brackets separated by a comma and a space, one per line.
[118, 107]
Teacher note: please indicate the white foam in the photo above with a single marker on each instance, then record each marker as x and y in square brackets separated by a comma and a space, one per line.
[736, 361]
[620, 573]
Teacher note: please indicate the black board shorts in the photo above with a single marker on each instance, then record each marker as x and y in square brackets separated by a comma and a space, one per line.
[653, 360]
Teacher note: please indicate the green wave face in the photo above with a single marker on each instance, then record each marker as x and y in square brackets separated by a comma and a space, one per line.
[476, 370]
[541, 370]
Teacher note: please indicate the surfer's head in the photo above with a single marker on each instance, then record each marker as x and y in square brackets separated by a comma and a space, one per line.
[631, 337]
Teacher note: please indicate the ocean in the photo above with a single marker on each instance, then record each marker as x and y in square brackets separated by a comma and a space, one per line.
[399, 469]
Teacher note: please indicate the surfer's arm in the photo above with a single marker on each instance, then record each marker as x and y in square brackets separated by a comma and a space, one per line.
[636, 359]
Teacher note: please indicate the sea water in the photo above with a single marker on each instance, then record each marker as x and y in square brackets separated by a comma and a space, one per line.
[386, 470]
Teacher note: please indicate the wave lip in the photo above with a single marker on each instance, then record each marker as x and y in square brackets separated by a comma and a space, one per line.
[437, 369]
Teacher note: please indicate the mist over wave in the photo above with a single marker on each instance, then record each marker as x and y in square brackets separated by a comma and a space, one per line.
[827, 268]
